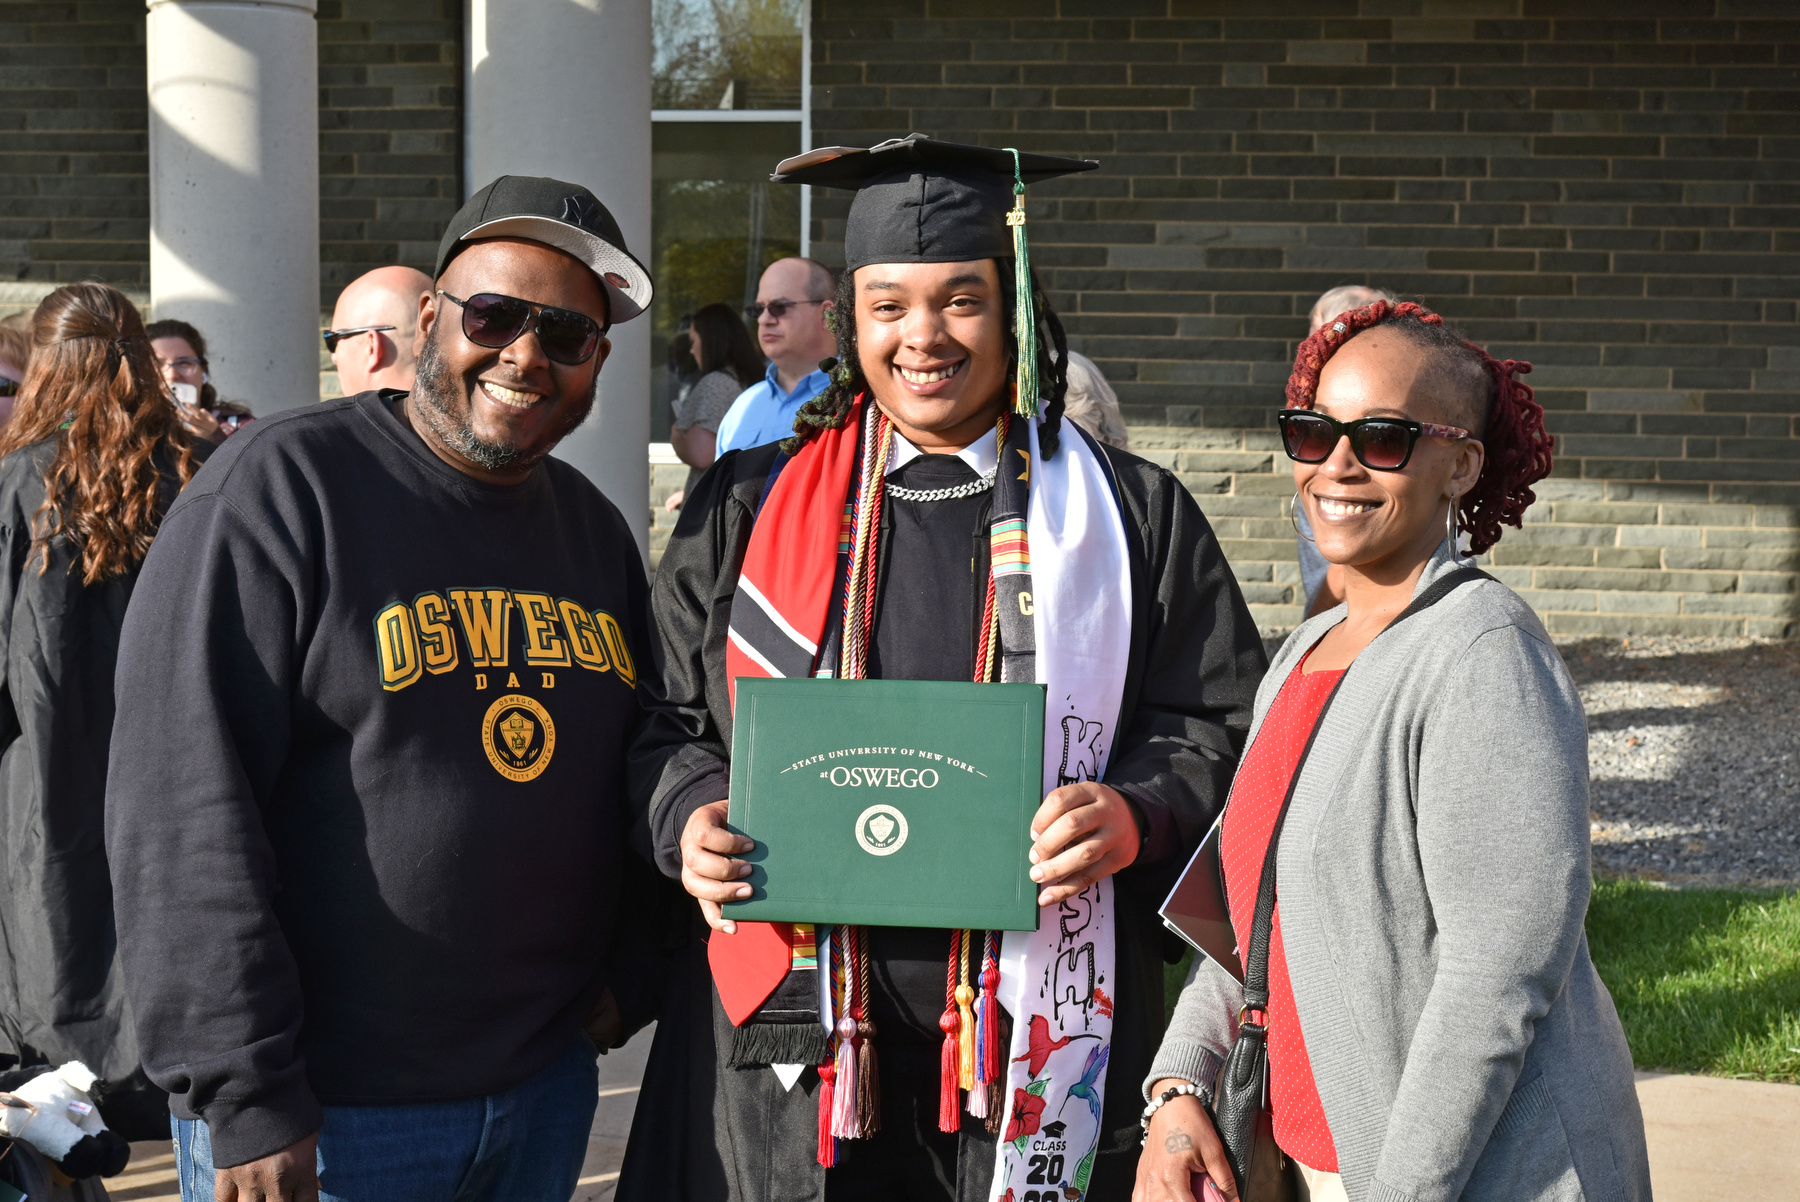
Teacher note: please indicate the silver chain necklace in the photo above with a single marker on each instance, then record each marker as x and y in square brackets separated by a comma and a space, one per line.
[968, 489]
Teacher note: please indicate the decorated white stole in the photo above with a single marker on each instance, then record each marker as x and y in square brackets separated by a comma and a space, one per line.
[1058, 981]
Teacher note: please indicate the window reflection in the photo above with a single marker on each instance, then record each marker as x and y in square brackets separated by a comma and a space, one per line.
[726, 54]
[716, 222]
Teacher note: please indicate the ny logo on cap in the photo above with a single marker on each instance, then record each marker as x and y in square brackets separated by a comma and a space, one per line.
[579, 210]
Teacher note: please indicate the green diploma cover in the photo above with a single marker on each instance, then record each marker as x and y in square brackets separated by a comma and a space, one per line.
[888, 802]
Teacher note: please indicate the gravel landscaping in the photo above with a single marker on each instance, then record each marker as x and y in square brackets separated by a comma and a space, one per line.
[1694, 751]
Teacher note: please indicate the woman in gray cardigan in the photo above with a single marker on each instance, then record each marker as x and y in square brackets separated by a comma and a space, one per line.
[1436, 1028]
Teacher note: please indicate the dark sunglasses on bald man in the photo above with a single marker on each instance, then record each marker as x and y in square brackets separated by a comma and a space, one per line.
[1381, 444]
[494, 321]
[332, 338]
[776, 309]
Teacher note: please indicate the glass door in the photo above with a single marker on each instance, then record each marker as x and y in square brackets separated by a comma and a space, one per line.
[728, 92]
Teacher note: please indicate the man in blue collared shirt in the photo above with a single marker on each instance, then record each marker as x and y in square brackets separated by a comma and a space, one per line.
[791, 303]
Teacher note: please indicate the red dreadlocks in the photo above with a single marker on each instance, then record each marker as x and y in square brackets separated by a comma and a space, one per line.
[1518, 447]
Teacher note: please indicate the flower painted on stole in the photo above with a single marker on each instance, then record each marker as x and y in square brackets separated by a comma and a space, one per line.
[1027, 1111]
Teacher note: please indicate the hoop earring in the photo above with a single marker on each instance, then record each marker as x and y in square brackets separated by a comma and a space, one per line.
[1294, 518]
[1450, 528]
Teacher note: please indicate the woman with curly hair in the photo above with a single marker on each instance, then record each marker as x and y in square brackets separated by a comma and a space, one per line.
[1404, 854]
[91, 459]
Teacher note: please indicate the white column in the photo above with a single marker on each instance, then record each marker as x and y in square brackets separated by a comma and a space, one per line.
[234, 189]
[563, 89]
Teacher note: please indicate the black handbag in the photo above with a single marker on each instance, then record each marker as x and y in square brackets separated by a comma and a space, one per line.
[1240, 1104]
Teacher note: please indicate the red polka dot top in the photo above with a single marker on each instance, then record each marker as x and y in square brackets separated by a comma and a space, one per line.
[1257, 792]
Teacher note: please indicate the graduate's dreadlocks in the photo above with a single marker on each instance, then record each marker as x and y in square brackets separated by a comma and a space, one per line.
[828, 410]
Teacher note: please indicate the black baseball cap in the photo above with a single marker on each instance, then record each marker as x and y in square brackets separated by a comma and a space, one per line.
[919, 200]
[566, 216]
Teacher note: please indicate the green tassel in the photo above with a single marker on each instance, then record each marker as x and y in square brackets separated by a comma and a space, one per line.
[1025, 395]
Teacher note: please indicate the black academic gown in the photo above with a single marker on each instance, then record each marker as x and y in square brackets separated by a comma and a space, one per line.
[704, 1131]
[61, 996]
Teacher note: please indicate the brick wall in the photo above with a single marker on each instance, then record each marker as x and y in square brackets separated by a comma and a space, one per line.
[74, 158]
[1608, 189]
[74, 198]
[390, 134]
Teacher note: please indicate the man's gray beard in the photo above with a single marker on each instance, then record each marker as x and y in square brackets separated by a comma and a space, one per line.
[436, 389]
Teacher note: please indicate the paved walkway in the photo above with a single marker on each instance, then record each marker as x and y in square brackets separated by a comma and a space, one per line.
[1709, 1138]
[620, 1072]
[1714, 1138]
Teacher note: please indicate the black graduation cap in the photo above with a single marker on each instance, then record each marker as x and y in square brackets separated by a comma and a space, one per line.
[919, 200]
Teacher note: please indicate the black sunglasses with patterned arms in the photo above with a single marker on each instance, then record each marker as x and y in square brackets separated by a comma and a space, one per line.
[1381, 444]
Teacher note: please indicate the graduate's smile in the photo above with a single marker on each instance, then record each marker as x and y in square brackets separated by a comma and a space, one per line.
[931, 338]
[928, 380]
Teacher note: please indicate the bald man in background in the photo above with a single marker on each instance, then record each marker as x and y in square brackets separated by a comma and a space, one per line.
[792, 303]
[373, 328]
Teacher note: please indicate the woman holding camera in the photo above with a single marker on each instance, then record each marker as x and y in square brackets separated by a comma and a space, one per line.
[1417, 783]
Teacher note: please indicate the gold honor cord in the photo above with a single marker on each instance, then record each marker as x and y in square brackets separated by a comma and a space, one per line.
[1025, 387]
[990, 615]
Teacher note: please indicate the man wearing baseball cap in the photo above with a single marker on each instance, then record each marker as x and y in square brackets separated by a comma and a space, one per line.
[366, 818]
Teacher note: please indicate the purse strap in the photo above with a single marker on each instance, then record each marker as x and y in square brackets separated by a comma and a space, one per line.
[1256, 966]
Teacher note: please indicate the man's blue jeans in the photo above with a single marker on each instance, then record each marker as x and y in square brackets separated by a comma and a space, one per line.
[524, 1145]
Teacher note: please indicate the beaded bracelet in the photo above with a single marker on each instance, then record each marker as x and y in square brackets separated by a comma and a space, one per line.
[1168, 1095]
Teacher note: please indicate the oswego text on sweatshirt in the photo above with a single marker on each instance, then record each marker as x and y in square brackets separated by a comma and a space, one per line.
[365, 802]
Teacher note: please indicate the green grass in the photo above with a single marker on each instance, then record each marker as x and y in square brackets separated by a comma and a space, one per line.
[1706, 980]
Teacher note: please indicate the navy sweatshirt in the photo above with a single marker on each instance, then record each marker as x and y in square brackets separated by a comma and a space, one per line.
[364, 808]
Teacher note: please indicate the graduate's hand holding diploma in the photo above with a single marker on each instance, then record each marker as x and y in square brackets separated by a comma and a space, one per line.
[1083, 833]
[707, 870]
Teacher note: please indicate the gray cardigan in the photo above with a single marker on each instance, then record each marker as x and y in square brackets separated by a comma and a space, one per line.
[1433, 877]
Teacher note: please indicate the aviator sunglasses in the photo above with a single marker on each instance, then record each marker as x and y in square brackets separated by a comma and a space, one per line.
[494, 321]
[776, 309]
[332, 338]
[1381, 444]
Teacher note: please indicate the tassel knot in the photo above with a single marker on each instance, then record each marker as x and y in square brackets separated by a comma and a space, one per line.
[843, 1119]
[965, 1038]
[948, 1119]
[991, 1055]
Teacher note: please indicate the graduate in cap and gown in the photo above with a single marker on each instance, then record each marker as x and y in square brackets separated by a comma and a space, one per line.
[933, 518]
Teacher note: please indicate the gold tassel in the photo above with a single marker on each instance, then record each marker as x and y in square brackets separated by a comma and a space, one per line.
[965, 1036]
